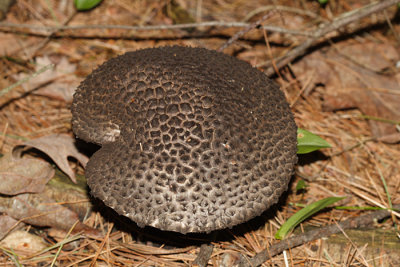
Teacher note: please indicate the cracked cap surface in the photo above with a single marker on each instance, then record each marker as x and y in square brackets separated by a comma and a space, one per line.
[192, 140]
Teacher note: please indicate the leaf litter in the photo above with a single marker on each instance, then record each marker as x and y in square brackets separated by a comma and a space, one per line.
[58, 83]
[360, 75]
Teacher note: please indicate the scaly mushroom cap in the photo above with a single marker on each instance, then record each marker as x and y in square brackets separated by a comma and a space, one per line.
[192, 140]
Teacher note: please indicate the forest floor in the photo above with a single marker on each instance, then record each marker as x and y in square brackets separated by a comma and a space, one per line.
[343, 85]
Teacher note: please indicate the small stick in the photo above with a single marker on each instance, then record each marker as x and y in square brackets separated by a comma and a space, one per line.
[52, 29]
[245, 30]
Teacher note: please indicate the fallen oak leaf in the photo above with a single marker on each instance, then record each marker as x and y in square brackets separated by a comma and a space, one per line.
[58, 147]
[33, 175]
[30, 175]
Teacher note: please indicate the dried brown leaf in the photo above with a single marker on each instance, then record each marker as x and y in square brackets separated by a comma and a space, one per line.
[58, 147]
[22, 175]
[38, 209]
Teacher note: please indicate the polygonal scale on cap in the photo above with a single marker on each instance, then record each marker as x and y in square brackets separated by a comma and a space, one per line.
[192, 140]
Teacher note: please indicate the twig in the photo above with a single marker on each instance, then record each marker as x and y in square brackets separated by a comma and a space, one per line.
[326, 28]
[51, 29]
[358, 222]
[245, 30]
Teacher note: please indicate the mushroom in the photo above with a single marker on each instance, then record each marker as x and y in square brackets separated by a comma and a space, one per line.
[192, 140]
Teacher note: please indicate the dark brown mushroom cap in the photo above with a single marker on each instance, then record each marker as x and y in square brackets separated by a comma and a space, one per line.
[192, 140]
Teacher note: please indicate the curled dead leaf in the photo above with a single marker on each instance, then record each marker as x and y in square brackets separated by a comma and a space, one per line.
[58, 147]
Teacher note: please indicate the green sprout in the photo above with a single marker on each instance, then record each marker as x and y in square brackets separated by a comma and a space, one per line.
[308, 142]
[82, 5]
[303, 214]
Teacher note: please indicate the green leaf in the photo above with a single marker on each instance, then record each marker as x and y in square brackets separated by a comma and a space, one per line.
[301, 185]
[308, 142]
[303, 214]
[322, 2]
[86, 4]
